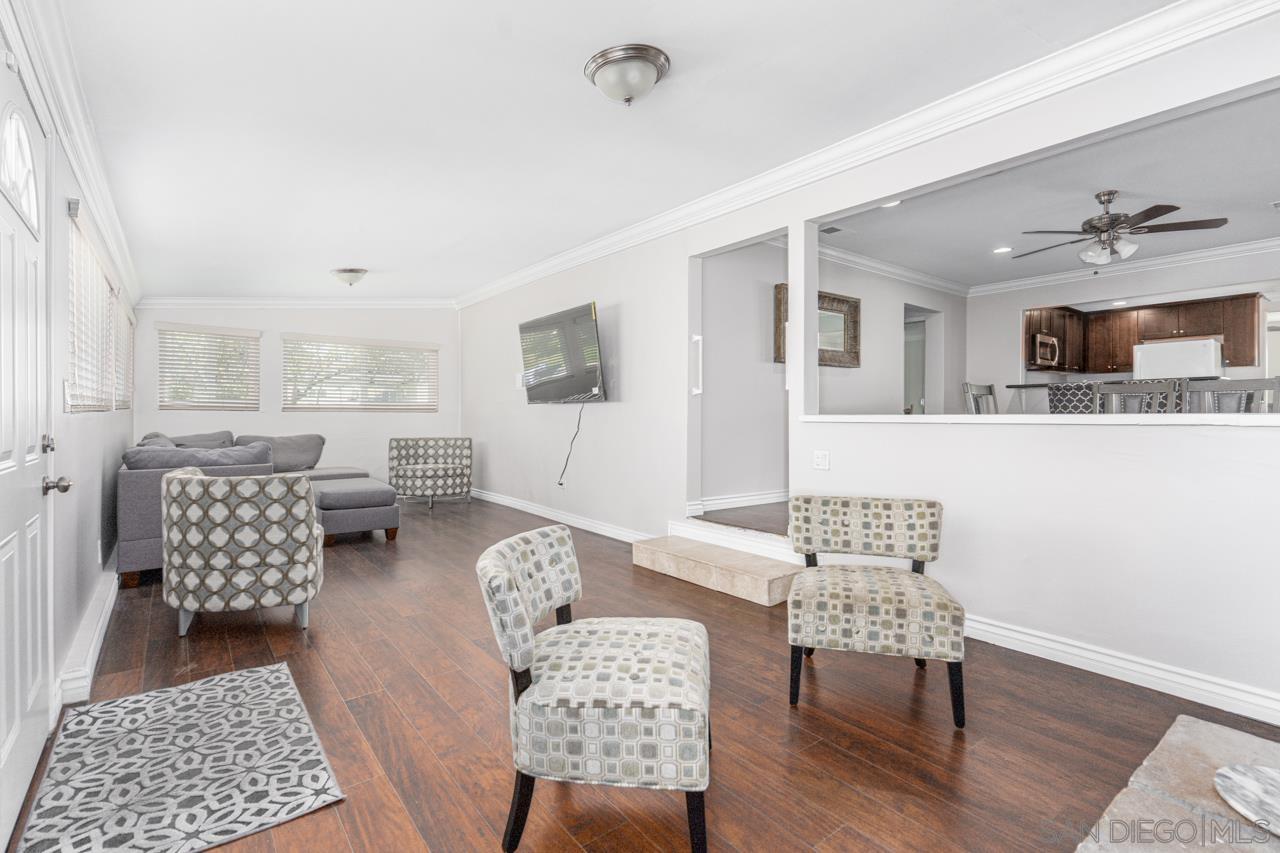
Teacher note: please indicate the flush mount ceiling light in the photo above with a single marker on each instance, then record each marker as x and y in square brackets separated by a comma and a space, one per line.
[627, 72]
[348, 275]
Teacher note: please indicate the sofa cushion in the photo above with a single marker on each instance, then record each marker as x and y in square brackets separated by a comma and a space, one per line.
[353, 494]
[337, 472]
[290, 452]
[222, 438]
[138, 458]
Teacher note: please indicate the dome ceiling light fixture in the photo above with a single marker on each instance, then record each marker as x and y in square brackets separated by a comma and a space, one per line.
[627, 72]
[349, 275]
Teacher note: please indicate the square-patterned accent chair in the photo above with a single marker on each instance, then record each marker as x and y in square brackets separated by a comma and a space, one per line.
[607, 701]
[430, 467]
[239, 543]
[878, 609]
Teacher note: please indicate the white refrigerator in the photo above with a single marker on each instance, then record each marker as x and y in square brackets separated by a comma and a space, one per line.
[1199, 358]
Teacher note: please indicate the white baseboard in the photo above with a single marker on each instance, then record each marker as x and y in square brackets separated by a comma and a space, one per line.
[745, 499]
[739, 538]
[604, 528]
[76, 676]
[1233, 696]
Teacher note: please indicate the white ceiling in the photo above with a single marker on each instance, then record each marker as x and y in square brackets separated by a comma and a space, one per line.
[1220, 162]
[251, 146]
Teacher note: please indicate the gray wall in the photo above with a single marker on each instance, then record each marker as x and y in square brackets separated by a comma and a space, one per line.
[89, 448]
[744, 401]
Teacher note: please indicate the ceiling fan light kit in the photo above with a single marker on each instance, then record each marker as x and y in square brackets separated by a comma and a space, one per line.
[1108, 233]
[627, 72]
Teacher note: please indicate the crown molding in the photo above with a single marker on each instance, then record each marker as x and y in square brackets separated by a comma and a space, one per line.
[862, 262]
[1159, 32]
[1200, 256]
[251, 302]
[44, 32]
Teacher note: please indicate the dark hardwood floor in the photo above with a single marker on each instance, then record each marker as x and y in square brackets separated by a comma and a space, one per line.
[401, 675]
[768, 518]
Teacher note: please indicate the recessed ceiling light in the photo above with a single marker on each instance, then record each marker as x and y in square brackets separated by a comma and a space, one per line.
[893, 203]
[1003, 250]
[1120, 302]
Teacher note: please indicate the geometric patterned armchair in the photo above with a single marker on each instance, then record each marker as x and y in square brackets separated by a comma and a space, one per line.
[430, 467]
[239, 543]
[877, 609]
[607, 701]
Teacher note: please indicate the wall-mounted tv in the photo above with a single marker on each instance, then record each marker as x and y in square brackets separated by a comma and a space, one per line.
[561, 355]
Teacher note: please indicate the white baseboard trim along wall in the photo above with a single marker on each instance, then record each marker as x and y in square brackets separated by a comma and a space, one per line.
[746, 499]
[1207, 689]
[604, 528]
[75, 676]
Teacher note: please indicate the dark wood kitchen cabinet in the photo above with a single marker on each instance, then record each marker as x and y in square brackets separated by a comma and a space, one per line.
[1066, 326]
[1241, 317]
[1073, 344]
[1111, 337]
[1182, 319]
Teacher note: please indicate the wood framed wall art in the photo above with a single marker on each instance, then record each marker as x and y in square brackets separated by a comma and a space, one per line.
[839, 328]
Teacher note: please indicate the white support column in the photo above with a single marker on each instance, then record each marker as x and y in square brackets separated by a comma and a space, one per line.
[802, 318]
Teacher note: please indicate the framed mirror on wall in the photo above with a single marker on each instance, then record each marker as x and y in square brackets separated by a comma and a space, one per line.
[839, 319]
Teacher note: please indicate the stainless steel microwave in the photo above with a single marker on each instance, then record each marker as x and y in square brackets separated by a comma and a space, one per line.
[1047, 351]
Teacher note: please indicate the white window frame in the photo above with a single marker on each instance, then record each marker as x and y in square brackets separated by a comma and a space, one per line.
[166, 376]
[432, 391]
[9, 184]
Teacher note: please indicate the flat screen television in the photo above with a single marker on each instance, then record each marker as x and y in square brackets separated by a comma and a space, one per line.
[561, 355]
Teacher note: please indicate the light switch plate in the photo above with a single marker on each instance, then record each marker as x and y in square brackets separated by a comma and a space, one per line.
[822, 460]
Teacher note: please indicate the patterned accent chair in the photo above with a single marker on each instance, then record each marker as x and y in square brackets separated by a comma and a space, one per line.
[877, 609]
[607, 701]
[430, 467]
[239, 543]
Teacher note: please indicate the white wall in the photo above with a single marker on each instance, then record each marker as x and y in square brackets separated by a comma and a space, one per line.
[744, 401]
[89, 445]
[628, 467]
[875, 388]
[351, 438]
[995, 320]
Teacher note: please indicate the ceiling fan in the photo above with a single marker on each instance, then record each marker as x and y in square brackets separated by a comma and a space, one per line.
[1109, 231]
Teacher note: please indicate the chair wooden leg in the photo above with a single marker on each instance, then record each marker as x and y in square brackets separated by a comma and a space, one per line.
[955, 675]
[797, 662]
[808, 651]
[521, 799]
[184, 621]
[920, 662]
[693, 801]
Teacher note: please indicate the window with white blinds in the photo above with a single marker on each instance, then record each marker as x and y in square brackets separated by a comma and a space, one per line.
[202, 367]
[100, 361]
[350, 374]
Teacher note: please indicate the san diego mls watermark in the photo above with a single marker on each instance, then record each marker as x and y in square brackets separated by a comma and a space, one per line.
[1202, 831]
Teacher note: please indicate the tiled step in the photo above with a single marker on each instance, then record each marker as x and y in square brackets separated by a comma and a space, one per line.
[757, 579]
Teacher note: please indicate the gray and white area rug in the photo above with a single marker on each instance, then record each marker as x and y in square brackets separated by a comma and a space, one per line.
[181, 769]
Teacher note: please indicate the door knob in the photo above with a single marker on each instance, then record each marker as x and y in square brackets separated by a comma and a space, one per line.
[62, 485]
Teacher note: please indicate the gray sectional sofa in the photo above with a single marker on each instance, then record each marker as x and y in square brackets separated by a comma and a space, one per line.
[352, 501]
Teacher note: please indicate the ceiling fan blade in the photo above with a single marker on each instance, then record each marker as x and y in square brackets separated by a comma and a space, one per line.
[1189, 225]
[1073, 231]
[1155, 211]
[1054, 246]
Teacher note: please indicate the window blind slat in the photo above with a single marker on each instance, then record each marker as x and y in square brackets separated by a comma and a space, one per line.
[100, 362]
[331, 373]
[209, 369]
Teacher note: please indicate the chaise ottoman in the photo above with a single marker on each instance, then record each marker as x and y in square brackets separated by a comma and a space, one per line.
[354, 506]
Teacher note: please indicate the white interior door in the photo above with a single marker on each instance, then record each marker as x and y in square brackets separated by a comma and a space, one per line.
[26, 665]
